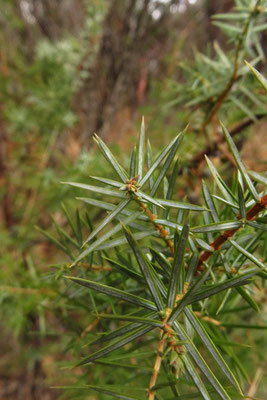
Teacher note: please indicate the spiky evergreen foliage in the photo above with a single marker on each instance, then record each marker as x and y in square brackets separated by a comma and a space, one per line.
[217, 83]
[161, 280]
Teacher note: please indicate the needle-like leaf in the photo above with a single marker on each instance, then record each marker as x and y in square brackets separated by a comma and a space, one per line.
[258, 177]
[113, 292]
[151, 178]
[97, 189]
[65, 236]
[161, 260]
[148, 198]
[211, 347]
[230, 283]
[202, 365]
[248, 255]
[145, 269]
[241, 290]
[176, 278]
[191, 268]
[110, 182]
[239, 163]
[107, 235]
[108, 219]
[132, 318]
[180, 205]
[258, 75]
[122, 239]
[98, 203]
[165, 167]
[195, 377]
[141, 149]
[52, 239]
[220, 183]
[161, 157]
[125, 339]
[79, 227]
[132, 163]
[124, 270]
[257, 225]
[243, 108]
[69, 220]
[201, 243]
[110, 158]
[110, 207]
[216, 227]
[122, 330]
[171, 187]
[169, 224]
[109, 392]
[241, 199]
[187, 298]
[209, 202]
[234, 206]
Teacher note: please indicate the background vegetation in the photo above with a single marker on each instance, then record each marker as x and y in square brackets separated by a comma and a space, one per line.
[72, 68]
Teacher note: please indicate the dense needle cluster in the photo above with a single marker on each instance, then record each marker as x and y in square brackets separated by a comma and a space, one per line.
[169, 280]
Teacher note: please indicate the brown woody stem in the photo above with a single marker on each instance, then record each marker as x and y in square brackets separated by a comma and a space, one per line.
[171, 342]
[163, 232]
[160, 350]
[157, 364]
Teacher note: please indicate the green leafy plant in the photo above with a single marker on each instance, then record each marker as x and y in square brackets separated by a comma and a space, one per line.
[165, 276]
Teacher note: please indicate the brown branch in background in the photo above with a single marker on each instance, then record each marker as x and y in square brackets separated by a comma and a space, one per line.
[211, 148]
[93, 324]
[89, 328]
[254, 385]
[196, 164]
[219, 103]
[95, 267]
[207, 318]
[99, 268]
[251, 214]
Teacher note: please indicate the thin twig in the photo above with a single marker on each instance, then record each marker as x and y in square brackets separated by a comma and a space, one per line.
[254, 385]
[89, 328]
[99, 268]
[95, 267]
[211, 148]
[167, 336]
[163, 232]
[207, 318]
[158, 360]
[160, 350]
